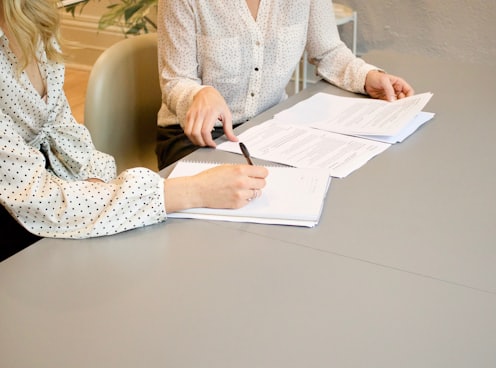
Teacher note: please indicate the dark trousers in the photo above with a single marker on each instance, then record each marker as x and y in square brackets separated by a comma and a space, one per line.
[173, 144]
[14, 237]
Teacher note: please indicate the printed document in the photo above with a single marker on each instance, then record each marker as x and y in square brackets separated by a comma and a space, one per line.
[306, 147]
[354, 115]
[333, 132]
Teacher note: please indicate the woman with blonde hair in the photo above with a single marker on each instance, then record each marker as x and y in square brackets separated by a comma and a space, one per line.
[54, 183]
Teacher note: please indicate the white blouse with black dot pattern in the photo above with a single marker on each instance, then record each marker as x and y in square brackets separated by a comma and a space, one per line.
[45, 157]
[250, 62]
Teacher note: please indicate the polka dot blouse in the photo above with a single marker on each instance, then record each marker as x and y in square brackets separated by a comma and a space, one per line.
[250, 62]
[46, 156]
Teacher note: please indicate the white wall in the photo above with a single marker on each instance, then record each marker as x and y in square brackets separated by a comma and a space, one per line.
[463, 30]
[84, 42]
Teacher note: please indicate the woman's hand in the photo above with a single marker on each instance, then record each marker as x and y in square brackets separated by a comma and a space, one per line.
[224, 186]
[207, 108]
[386, 86]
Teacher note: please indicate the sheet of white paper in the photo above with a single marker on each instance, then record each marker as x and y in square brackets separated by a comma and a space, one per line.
[306, 147]
[353, 115]
[420, 119]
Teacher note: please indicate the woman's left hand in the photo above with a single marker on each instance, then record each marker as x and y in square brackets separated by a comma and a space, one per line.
[386, 86]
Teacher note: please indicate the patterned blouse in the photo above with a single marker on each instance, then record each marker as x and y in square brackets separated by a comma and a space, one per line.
[45, 157]
[250, 62]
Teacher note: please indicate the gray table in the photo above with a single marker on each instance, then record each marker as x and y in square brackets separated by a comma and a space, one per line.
[400, 272]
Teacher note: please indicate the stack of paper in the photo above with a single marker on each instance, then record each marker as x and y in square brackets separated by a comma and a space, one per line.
[332, 132]
[389, 122]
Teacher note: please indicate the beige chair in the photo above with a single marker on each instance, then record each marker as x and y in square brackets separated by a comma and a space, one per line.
[122, 101]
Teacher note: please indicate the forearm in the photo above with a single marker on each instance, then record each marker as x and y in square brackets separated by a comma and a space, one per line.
[181, 193]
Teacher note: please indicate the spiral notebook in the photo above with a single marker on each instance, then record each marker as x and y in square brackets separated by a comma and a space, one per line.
[292, 196]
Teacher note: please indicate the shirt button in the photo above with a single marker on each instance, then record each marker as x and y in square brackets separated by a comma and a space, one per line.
[252, 94]
[256, 69]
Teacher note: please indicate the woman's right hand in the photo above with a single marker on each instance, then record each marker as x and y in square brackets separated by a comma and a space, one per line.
[207, 108]
[224, 186]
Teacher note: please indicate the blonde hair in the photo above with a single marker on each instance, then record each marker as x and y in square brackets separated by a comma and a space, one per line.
[32, 22]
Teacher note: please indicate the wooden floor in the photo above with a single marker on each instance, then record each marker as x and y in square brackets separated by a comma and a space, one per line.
[75, 85]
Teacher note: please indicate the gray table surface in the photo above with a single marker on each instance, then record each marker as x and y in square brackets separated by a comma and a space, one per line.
[400, 272]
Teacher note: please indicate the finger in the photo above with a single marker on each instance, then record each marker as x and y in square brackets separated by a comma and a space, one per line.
[202, 130]
[408, 90]
[255, 172]
[254, 194]
[257, 193]
[228, 128]
[207, 128]
[402, 88]
[190, 127]
[256, 183]
[206, 134]
[389, 91]
[195, 134]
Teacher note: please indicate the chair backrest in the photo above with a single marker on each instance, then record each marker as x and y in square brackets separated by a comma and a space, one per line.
[122, 101]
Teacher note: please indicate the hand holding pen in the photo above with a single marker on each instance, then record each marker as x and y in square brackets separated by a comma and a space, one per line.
[245, 152]
[256, 192]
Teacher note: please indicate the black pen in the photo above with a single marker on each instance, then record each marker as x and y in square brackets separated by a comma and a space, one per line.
[245, 153]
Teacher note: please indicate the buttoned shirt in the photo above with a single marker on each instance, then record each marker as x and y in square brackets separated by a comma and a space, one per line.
[249, 61]
[46, 156]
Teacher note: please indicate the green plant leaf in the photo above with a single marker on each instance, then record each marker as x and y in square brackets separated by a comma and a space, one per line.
[130, 15]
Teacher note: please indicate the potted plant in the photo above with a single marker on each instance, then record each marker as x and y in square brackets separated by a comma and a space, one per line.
[131, 15]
